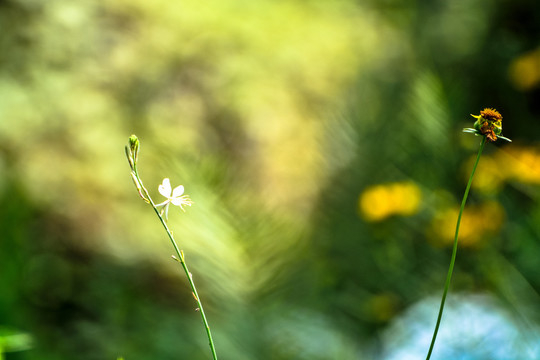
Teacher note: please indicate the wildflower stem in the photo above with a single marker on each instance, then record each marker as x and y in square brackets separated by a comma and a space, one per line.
[146, 196]
[454, 249]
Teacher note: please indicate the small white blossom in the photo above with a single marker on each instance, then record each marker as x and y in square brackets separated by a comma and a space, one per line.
[174, 196]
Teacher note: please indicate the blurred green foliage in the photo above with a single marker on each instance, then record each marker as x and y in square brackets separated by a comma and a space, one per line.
[280, 118]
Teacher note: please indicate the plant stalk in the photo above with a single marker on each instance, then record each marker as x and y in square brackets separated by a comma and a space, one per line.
[454, 249]
[180, 258]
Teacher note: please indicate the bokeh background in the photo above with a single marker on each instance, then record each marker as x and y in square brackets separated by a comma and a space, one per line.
[321, 143]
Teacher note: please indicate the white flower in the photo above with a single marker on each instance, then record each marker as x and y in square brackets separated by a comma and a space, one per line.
[174, 196]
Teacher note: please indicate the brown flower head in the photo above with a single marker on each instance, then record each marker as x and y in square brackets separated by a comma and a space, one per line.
[488, 124]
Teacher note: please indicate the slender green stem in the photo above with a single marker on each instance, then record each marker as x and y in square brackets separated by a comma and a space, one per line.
[180, 257]
[454, 250]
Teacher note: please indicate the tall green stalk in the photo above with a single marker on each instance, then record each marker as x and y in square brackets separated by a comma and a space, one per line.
[488, 125]
[454, 250]
[132, 151]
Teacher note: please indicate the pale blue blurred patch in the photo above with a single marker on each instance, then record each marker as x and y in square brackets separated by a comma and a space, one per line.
[473, 327]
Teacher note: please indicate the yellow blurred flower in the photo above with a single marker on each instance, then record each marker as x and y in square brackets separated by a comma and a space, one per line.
[489, 177]
[525, 70]
[521, 164]
[381, 201]
[476, 222]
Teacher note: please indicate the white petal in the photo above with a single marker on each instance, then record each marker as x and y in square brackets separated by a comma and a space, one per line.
[178, 191]
[165, 188]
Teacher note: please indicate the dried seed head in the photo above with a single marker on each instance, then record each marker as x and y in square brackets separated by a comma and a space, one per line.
[491, 114]
[488, 123]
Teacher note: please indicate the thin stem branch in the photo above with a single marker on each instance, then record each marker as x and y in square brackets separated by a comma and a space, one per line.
[180, 258]
[454, 249]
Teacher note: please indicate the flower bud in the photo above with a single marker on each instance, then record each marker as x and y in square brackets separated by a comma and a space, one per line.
[132, 151]
[134, 147]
